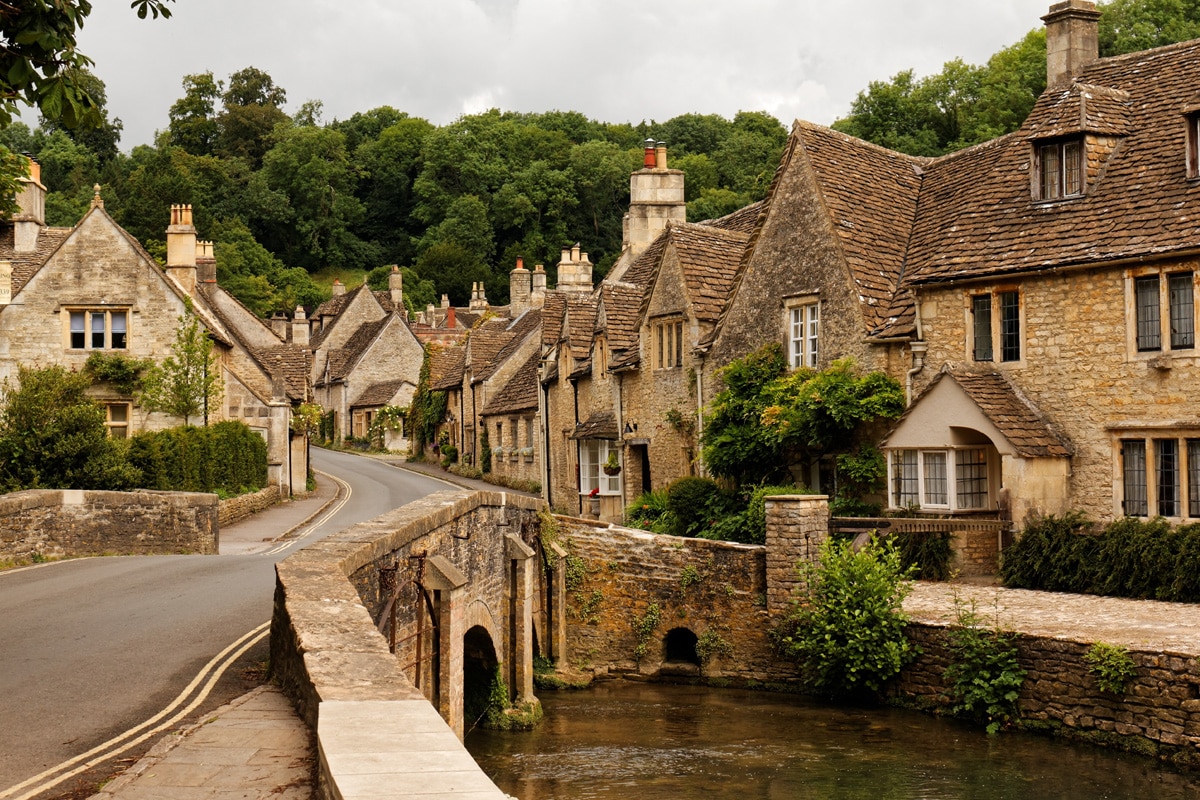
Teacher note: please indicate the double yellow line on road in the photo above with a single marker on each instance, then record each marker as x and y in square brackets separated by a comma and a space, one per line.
[184, 704]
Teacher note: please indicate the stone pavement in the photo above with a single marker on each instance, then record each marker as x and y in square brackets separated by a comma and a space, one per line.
[253, 747]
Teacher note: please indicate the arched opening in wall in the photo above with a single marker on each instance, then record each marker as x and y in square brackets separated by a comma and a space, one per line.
[480, 673]
[679, 647]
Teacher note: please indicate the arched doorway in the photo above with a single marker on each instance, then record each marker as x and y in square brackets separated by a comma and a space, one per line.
[479, 673]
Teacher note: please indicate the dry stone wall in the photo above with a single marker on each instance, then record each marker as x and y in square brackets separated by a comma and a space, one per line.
[54, 523]
[242, 506]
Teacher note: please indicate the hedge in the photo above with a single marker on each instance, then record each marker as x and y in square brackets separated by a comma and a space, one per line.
[226, 457]
[1146, 559]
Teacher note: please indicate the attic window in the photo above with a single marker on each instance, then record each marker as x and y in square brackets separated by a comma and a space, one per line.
[1059, 171]
[1193, 145]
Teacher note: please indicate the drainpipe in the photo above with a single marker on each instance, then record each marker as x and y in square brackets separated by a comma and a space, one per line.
[544, 408]
[621, 436]
[918, 350]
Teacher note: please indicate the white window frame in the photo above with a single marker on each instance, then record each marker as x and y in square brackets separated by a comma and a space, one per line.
[926, 463]
[592, 455]
[110, 324]
[802, 320]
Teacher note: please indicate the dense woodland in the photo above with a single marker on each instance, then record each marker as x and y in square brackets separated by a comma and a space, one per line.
[289, 196]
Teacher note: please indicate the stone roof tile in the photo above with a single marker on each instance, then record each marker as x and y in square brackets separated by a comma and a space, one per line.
[519, 394]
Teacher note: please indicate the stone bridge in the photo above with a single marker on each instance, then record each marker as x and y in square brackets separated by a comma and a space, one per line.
[455, 584]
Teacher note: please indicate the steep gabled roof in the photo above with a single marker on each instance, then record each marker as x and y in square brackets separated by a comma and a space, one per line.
[600, 425]
[743, 220]
[581, 324]
[621, 303]
[552, 315]
[343, 359]
[1139, 202]
[519, 394]
[446, 366]
[24, 265]
[379, 394]
[520, 328]
[710, 258]
[871, 196]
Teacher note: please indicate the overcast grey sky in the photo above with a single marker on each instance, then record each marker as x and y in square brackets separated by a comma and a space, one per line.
[613, 60]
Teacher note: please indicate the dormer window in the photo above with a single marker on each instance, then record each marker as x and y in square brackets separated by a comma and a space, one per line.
[1059, 169]
[1193, 145]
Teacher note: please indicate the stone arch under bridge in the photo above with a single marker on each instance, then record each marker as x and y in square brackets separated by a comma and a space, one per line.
[436, 570]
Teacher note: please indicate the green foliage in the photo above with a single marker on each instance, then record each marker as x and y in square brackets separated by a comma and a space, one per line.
[984, 676]
[643, 629]
[695, 505]
[485, 452]
[1130, 25]
[122, 371]
[651, 512]
[1111, 665]
[306, 419]
[710, 644]
[927, 554]
[188, 382]
[736, 444]
[689, 576]
[227, 457]
[846, 627]
[1146, 559]
[426, 411]
[53, 436]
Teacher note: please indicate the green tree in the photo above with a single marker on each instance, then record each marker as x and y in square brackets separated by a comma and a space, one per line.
[193, 124]
[100, 138]
[53, 436]
[188, 382]
[1130, 25]
[252, 109]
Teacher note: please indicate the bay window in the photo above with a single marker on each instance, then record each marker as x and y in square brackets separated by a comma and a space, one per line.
[951, 479]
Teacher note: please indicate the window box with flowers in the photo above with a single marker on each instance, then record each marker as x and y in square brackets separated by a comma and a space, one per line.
[527, 452]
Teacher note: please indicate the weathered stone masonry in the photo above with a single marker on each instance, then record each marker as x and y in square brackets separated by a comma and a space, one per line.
[74, 522]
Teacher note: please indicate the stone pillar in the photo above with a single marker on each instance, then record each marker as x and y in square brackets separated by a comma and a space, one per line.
[522, 599]
[797, 525]
[557, 618]
[448, 582]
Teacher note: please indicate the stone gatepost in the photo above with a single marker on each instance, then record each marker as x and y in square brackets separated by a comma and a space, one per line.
[797, 525]
[521, 600]
[557, 618]
[448, 584]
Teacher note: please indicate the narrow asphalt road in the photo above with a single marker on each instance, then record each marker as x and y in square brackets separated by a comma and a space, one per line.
[92, 647]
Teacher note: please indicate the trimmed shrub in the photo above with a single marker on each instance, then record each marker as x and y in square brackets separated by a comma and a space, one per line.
[695, 503]
[1130, 557]
[926, 553]
[226, 457]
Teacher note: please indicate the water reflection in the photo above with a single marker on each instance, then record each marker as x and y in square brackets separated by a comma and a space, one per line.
[648, 741]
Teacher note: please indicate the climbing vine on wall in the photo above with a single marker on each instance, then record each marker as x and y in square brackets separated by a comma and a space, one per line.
[426, 412]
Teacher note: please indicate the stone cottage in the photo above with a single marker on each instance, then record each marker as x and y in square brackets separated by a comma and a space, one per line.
[68, 293]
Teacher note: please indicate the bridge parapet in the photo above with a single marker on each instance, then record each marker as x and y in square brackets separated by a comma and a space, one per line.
[443, 567]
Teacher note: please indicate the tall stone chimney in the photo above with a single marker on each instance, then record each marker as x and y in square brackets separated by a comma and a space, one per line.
[520, 288]
[338, 289]
[396, 289]
[655, 198]
[181, 248]
[479, 300]
[537, 296]
[574, 271]
[1072, 39]
[30, 217]
[279, 325]
[300, 327]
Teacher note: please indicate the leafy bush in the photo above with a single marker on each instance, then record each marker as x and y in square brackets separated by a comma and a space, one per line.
[651, 512]
[695, 504]
[1129, 558]
[846, 629]
[53, 436]
[756, 511]
[1111, 666]
[984, 676]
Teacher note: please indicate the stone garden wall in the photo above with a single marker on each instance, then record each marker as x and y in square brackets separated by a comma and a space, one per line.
[56, 523]
[242, 506]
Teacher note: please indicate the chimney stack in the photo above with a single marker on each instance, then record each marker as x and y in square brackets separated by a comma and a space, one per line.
[520, 289]
[181, 248]
[396, 288]
[206, 263]
[430, 316]
[479, 300]
[537, 297]
[1072, 39]
[279, 324]
[649, 160]
[445, 301]
[451, 319]
[338, 289]
[574, 271]
[655, 199]
[30, 217]
[660, 155]
[300, 327]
